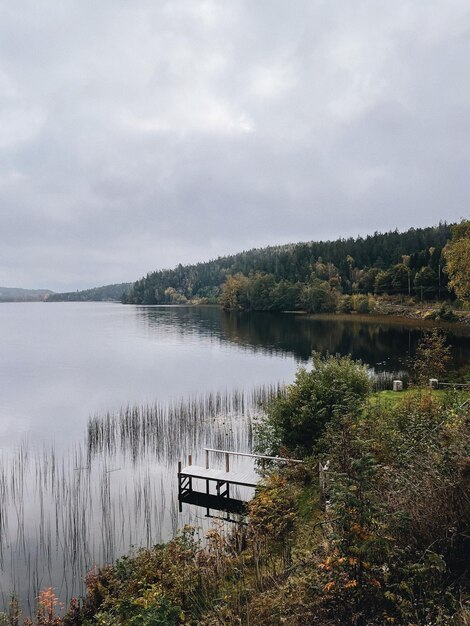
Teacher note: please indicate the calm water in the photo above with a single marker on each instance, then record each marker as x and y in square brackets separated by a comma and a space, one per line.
[61, 363]
[69, 499]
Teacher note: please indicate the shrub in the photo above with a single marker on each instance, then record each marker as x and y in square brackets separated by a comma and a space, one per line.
[431, 358]
[318, 297]
[360, 304]
[334, 386]
[344, 304]
[446, 313]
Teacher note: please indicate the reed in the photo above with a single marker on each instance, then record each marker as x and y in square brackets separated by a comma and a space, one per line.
[62, 512]
[383, 381]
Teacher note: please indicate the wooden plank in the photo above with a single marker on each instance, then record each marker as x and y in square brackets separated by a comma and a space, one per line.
[210, 501]
[233, 478]
[249, 479]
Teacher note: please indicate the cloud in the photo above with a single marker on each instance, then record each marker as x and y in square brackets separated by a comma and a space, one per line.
[139, 135]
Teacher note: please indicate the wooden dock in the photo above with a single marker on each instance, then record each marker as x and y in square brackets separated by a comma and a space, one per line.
[223, 479]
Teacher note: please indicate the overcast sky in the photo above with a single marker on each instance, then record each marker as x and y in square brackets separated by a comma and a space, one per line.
[138, 134]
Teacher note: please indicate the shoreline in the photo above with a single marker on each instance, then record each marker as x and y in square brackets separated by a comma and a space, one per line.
[391, 319]
[393, 314]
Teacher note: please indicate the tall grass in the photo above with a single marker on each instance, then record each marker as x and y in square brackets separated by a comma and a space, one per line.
[62, 513]
[383, 381]
[169, 430]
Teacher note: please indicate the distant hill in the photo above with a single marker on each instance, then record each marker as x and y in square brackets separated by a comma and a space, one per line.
[107, 293]
[15, 294]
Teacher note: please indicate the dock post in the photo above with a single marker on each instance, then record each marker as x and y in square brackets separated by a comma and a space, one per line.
[180, 504]
[207, 459]
[227, 462]
[190, 480]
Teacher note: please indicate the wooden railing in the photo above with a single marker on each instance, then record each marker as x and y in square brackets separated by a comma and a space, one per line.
[465, 385]
[262, 457]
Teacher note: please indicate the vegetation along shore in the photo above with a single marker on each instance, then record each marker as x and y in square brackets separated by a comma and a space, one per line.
[421, 274]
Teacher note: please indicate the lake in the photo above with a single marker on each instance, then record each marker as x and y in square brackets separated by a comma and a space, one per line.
[98, 402]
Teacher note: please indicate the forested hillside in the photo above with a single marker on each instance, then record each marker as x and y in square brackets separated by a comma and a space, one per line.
[108, 292]
[15, 294]
[410, 263]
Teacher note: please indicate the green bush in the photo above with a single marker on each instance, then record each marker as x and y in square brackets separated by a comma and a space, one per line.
[344, 304]
[333, 387]
[446, 313]
[360, 304]
[318, 297]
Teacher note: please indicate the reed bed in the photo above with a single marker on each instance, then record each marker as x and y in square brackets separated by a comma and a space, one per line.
[171, 430]
[63, 512]
[383, 381]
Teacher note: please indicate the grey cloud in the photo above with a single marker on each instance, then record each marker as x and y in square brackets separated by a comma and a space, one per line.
[137, 135]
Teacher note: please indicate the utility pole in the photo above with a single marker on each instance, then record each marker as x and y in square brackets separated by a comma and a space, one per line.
[439, 280]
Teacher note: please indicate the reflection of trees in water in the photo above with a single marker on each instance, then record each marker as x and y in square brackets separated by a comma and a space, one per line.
[273, 332]
[383, 345]
[300, 335]
[205, 321]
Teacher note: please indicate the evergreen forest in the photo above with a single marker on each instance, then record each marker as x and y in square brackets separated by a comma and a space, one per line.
[106, 293]
[308, 276]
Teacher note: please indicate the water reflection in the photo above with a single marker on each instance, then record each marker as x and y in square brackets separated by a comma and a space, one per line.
[385, 345]
[63, 511]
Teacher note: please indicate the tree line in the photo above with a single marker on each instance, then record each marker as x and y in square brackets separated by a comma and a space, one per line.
[97, 294]
[308, 275]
